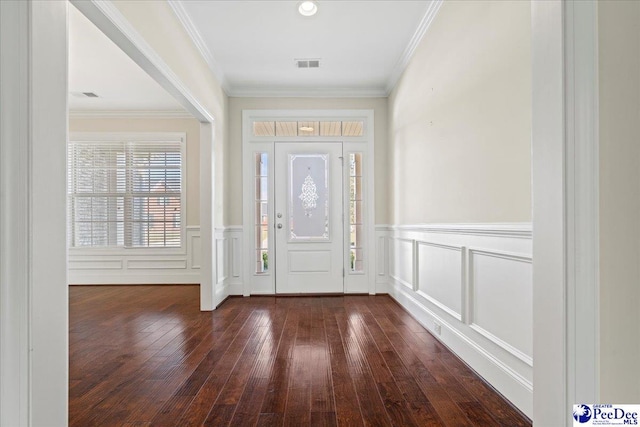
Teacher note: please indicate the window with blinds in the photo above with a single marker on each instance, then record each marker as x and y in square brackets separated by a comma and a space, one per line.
[125, 194]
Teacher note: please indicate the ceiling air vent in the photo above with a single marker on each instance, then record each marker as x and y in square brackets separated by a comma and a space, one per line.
[307, 63]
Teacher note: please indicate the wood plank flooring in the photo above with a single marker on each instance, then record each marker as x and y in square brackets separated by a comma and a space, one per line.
[146, 356]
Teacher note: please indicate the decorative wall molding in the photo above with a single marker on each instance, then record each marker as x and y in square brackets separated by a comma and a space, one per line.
[150, 266]
[229, 259]
[520, 302]
[382, 261]
[306, 92]
[523, 230]
[464, 283]
[194, 248]
[406, 56]
[131, 267]
[448, 280]
[400, 250]
[129, 114]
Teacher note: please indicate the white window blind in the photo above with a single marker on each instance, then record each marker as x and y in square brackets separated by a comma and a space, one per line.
[125, 194]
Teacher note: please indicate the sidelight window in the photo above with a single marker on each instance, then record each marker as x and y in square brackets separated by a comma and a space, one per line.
[356, 213]
[261, 220]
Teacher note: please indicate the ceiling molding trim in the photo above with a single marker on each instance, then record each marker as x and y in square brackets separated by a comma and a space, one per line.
[129, 114]
[406, 56]
[184, 18]
[304, 92]
[114, 25]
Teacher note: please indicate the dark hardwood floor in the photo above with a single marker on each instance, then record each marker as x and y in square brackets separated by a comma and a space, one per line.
[146, 355]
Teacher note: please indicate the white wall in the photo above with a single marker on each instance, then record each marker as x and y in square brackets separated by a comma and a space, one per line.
[233, 191]
[619, 98]
[460, 119]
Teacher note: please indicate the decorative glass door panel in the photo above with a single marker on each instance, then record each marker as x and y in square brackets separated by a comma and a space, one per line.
[308, 217]
[309, 197]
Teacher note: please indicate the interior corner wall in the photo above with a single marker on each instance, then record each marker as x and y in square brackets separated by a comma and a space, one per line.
[189, 126]
[233, 194]
[460, 119]
[161, 29]
[619, 127]
[459, 249]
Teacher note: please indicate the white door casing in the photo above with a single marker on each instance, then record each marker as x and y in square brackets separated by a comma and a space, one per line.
[309, 217]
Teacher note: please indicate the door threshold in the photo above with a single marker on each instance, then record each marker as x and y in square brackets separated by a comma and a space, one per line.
[316, 294]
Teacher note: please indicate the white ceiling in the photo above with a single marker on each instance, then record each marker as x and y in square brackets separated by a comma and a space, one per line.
[362, 45]
[97, 65]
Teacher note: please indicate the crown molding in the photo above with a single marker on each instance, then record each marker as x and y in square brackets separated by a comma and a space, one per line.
[305, 92]
[199, 43]
[129, 114]
[408, 52]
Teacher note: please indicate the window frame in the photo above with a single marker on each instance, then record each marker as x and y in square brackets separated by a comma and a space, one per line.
[119, 137]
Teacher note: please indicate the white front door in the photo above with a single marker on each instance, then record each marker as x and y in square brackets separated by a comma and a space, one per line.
[309, 217]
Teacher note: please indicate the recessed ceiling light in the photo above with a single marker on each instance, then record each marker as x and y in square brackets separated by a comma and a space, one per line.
[308, 8]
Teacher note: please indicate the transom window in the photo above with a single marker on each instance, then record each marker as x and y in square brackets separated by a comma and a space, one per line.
[309, 128]
[126, 193]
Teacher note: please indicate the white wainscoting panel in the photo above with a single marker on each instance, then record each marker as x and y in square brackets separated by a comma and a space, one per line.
[91, 264]
[234, 277]
[195, 250]
[158, 263]
[221, 256]
[501, 288]
[382, 260]
[148, 266]
[401, 262]
[441, 276]
[137, 266]
[472, 283]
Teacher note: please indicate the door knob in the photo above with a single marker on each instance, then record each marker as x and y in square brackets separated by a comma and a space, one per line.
[279, 225]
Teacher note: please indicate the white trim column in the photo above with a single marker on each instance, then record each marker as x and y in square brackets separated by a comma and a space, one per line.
[549, 203]
[209, 298]
[34, 338]
[583, 181]
[565, 208]
[14, 208]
